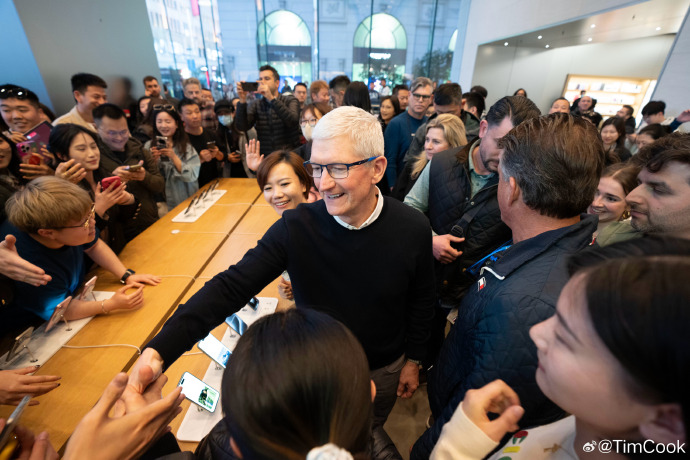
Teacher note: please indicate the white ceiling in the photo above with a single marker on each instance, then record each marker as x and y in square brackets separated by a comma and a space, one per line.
[645, 19]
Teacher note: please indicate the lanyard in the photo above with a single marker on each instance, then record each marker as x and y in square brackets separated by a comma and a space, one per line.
[493, 257]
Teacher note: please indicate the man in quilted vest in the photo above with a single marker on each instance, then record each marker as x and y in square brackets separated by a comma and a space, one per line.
[458, 190]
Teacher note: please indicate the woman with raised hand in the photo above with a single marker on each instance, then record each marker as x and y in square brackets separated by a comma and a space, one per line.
[285, 185]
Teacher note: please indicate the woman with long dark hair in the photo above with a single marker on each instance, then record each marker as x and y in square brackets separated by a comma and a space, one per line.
[614, 355]
[613, 136]
[178, 161]
[389, 108]
[75, 147]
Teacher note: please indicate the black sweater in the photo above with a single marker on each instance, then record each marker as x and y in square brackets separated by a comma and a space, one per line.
[378, 281]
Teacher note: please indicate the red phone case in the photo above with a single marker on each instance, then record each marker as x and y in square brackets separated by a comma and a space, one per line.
[105, 183]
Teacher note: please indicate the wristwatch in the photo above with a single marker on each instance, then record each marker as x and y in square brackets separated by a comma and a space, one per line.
[415, 361]
[127, 274]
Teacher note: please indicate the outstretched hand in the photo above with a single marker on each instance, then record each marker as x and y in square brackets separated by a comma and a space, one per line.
[100, 436]
[13, 266]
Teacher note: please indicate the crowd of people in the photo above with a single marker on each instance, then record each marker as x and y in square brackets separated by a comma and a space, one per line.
[556, 245]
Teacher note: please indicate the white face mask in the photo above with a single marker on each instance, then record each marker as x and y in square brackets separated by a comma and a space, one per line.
[225, 120]
[306, 131]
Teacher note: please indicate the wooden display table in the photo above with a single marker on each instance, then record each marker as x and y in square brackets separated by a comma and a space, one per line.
[179, 257]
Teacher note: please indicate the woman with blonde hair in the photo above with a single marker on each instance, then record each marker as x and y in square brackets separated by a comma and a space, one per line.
[443, 132]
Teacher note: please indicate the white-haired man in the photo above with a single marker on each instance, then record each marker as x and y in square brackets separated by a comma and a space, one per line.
[364, 259]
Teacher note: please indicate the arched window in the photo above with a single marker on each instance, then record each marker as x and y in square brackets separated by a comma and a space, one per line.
[379, 49]
[284, 42]
[453, 40]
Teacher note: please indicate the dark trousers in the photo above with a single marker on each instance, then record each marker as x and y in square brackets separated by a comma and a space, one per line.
[386, 380]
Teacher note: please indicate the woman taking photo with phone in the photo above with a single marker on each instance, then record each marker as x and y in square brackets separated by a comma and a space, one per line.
[78, 157]
[178, 161]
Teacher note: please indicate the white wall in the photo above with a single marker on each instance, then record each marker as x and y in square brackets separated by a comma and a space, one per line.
[490, 20]
[542, 73]
[105, 37]
[673, 86]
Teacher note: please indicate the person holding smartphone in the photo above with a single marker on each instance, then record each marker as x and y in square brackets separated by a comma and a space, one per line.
[79, 162]
[203, 141]
[179, 163]
[53, 222]
[275, 116]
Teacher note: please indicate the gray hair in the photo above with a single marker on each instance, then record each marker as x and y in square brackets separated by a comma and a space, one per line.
[420, 82]
[556, 161]
[361, 128]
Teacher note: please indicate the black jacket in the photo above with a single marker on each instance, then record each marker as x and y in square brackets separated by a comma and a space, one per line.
[276, 122]
[490, 338]
[144, 191]
[450, 199]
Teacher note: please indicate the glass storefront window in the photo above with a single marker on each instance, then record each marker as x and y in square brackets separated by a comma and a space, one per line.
[284, 42]
[379, 49]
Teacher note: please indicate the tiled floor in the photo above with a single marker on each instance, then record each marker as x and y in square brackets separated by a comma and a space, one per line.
[407, 421]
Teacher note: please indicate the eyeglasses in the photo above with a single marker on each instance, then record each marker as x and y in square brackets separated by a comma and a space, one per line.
[335, 170]
[124, 133]
[85, 224]
[421, 97]
[164, 107]
[311, 121]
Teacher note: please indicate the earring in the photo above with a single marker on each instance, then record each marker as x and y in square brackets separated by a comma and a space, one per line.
[625, 215]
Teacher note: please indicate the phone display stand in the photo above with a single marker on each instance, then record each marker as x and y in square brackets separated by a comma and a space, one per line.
[198, 423]
[45, 344]
[200, 207]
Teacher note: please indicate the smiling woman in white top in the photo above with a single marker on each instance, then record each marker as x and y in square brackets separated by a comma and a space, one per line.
[609, 203]
[613, 356]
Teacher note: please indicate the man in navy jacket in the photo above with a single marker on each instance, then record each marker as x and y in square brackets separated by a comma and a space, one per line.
[548, 172]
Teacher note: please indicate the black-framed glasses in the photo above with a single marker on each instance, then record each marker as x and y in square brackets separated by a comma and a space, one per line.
[311, 121]
[164, 107]
[335, 170]
[85, 224]
[421, 97]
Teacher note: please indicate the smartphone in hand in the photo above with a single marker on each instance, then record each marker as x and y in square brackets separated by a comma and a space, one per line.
[199, 392]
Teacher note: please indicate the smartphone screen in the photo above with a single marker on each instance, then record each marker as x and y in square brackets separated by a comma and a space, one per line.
[236, 323]
[215, 350]
[198, 392]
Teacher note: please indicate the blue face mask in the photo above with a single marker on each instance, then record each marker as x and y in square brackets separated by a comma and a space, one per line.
[225, 120]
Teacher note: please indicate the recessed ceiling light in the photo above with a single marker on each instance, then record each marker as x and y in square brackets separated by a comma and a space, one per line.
[539, 37]
[505, 44]
[658, 28]
[589, 39]
[592, 26]
[546, 46]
